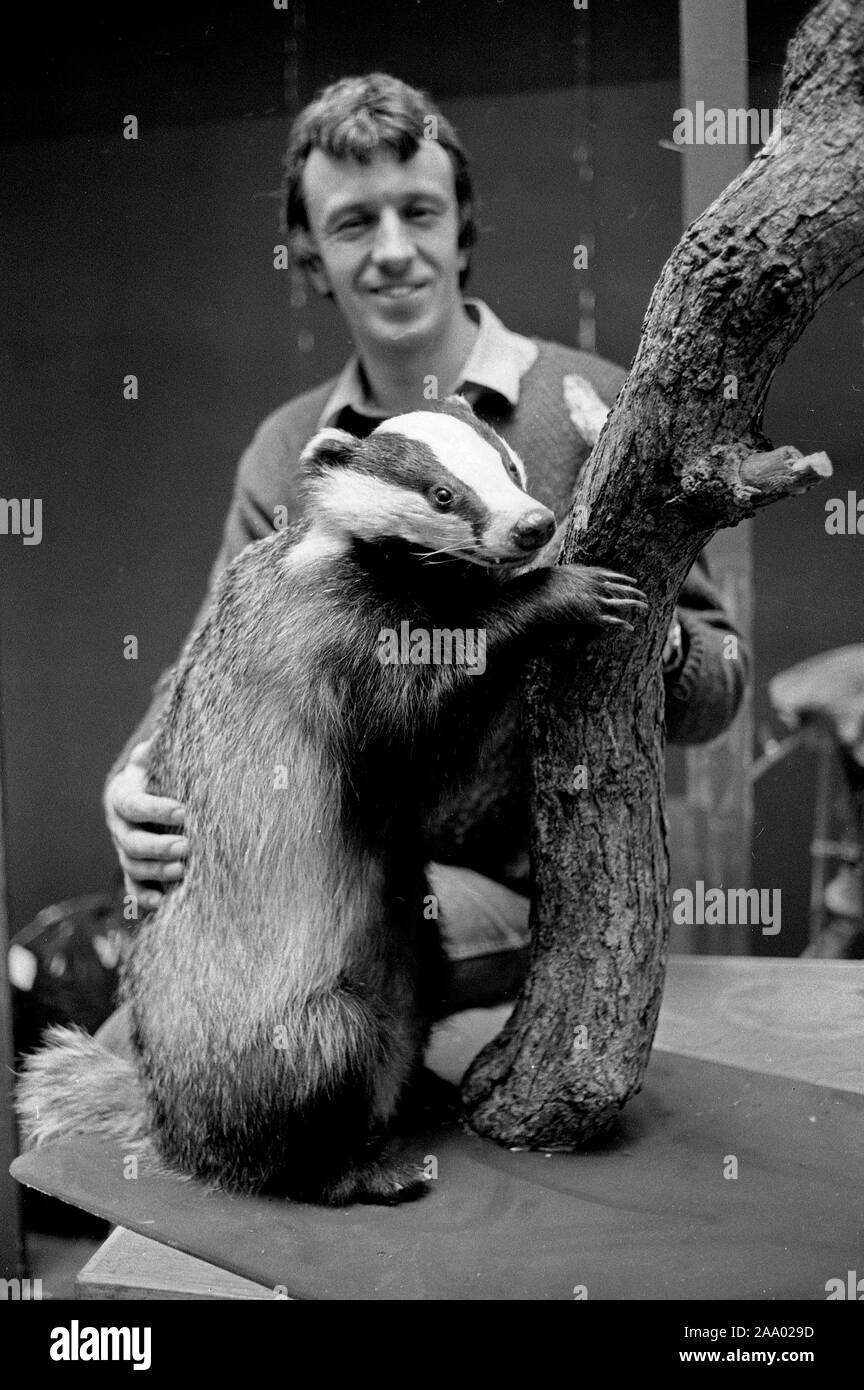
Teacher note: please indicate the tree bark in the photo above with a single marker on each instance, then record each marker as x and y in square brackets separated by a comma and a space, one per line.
[676, 461]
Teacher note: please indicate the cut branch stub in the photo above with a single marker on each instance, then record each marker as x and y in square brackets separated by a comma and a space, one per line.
[731, 482]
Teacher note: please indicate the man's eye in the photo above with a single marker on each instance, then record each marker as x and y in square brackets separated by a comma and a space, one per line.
[421, 214]
[354, 224]
[443, 497]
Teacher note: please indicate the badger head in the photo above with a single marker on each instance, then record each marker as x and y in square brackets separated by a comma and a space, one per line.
[438, 480]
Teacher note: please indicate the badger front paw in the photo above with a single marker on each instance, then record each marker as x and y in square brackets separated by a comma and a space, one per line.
[601, 598]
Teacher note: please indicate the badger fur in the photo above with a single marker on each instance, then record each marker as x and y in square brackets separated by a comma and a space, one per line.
[282, 992]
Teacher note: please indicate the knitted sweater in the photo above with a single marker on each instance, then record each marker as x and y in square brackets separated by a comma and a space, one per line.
[486, 826]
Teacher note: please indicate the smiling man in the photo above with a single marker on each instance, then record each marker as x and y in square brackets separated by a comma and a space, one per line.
[381, 218]
[383, 239]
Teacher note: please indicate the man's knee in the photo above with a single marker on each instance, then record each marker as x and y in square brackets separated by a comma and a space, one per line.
[484, 933]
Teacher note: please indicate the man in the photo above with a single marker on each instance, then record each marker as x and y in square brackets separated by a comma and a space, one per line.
[380, 216]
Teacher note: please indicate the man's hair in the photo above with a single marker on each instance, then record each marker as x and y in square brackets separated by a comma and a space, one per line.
[357, 117]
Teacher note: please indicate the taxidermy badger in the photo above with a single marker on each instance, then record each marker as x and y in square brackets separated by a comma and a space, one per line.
[282, 992]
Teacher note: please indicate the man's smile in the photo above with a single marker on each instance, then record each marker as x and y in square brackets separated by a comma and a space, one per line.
[400, 291]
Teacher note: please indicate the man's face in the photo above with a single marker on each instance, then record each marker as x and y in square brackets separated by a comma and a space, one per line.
[386, 234]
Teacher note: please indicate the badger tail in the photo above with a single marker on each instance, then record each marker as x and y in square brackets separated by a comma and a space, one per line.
[74, 1085]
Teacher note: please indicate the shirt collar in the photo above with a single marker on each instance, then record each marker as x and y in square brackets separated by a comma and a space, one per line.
[497, 362]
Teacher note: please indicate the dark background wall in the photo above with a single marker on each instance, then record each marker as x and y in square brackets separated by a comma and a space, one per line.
[155, 257]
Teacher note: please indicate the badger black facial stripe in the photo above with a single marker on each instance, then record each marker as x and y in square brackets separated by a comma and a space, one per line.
[373, 509]
[413, 465]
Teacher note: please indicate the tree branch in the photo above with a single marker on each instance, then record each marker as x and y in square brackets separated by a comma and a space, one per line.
[681, 455]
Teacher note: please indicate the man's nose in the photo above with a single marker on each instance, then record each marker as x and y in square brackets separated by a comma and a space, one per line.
[393, 247]
[534, 529]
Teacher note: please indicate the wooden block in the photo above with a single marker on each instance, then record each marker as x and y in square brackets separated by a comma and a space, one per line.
[129, 1266]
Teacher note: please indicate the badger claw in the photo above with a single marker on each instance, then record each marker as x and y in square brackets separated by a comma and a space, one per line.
[603, 598]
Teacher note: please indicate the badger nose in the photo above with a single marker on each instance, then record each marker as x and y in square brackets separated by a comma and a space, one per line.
[534, 529]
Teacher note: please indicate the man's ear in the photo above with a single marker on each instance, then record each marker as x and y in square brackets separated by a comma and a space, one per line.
[328, 449]
[305, 255]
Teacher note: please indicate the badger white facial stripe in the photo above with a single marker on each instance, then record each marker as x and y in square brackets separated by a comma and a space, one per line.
[464, 453]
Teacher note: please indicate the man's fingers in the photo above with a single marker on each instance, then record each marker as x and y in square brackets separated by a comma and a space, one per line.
[139, 845]
[140, 808]
[149, 857]
[153, 870]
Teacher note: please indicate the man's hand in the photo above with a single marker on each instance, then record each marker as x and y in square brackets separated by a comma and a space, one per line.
[148, 858]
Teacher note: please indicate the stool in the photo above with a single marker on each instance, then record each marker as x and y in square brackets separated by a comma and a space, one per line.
[824, 696]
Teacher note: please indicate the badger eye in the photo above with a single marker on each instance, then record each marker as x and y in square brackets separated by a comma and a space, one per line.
[443, 497]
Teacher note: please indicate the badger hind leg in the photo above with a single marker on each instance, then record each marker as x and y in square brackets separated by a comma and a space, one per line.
[355, 1117]
[299, 1106]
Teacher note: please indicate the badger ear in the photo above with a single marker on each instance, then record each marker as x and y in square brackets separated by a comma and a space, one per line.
[461, 407]
[328, 449]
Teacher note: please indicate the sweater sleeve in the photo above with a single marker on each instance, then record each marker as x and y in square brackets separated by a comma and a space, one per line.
[704, 692]
[267, 478]
[703, 695]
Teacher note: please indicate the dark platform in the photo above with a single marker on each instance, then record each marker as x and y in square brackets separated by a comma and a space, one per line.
[649, 1215]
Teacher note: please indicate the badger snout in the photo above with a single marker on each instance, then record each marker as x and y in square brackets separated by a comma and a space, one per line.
[533, 529]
